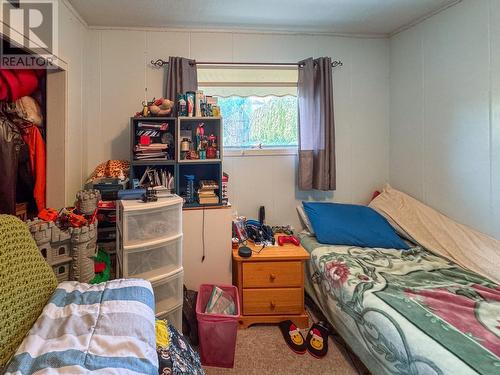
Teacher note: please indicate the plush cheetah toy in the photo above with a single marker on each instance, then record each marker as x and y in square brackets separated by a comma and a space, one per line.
[111, 168]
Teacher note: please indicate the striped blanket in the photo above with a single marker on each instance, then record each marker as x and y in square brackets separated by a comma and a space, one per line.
[108, 328]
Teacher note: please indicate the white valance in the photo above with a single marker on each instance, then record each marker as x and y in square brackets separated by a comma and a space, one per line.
[247, 81]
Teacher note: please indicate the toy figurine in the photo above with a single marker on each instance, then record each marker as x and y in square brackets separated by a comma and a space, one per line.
[145, 108]
[200, 133]
[212, 139]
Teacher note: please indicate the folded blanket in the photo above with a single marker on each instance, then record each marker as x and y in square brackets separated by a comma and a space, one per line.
[438, 233]
[108, 328]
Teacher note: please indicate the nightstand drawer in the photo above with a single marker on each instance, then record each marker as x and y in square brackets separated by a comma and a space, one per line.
[273, 301]
[272, 274]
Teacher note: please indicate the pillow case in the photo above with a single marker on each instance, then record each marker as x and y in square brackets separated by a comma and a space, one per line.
[304, 219]
[352, 225]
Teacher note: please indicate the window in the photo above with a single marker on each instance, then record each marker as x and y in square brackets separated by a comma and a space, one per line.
[258, 105]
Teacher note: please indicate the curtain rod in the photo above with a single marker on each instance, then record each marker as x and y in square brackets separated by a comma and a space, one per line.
[159, 63]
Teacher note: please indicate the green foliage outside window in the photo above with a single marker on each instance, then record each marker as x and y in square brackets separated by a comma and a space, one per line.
[270, 121]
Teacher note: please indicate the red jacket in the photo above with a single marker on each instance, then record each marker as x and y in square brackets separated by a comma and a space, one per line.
[36, 145]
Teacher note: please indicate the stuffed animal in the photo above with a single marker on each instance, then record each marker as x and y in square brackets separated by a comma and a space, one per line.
[161, 107]
[156, 107]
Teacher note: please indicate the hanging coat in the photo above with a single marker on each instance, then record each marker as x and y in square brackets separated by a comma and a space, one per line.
[36, 146]
[16, 178]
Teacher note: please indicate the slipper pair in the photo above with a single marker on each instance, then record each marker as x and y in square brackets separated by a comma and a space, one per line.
[316, 341]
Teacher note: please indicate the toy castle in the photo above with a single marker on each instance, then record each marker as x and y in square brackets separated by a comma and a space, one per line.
[70, 251]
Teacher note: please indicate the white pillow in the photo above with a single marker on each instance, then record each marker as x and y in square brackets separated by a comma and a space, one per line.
[304, 219]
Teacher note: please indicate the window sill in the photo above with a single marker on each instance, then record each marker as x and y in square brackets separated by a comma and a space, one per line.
[236, 153]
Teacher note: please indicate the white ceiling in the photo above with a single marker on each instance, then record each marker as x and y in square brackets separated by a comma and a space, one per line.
[333, 16]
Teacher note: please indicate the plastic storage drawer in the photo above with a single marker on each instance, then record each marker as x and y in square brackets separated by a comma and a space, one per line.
[140, 222]
[152, 260]
[168, 291]
[174, 316]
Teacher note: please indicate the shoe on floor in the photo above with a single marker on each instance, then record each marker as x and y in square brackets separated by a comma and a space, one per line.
[317, 340]
[293, 337]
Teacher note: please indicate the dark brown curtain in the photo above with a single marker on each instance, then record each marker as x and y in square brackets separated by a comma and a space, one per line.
[316, 125]
[181, 77]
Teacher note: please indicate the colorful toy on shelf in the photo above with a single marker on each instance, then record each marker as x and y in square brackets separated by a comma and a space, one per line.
[212, 140]
[145, 109]
[199, 135]
[211, 152]
[161, 107]
[156, 107]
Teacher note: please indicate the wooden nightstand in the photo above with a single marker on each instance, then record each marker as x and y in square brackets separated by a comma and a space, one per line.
[271, 285]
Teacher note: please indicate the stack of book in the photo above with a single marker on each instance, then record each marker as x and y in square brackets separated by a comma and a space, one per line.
[206, 192]
[151, 151]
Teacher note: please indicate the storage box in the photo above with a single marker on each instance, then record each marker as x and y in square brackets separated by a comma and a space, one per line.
[141, 222]
[174, 316]
[153, 259]
[168, 291]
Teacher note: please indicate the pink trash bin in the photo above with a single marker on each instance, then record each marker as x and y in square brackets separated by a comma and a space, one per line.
[217, 333]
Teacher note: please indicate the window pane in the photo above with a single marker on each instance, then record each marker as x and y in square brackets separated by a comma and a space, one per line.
[253, 120]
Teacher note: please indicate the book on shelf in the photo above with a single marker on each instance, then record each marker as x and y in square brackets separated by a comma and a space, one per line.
[151, 151]
[206, 194]
[208, 185]
[156, 155]
[208, 200]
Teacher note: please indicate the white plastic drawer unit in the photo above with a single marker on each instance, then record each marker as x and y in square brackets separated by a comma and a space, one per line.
[140, 222]
[168, 291]
[174, 317]
[152, 259]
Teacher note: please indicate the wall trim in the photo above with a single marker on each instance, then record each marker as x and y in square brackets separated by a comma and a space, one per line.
[70, 7]
[241, 31]
[423, 18]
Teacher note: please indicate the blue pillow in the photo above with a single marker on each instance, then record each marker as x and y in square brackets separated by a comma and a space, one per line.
[352, 225]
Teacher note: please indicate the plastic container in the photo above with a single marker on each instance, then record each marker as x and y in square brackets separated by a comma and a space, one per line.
[140, 222]
[152, 259]
[217, 333]
[174, 316]
[168, 291]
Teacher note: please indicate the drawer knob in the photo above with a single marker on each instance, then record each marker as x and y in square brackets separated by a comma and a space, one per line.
[272, 277]
[273, 305]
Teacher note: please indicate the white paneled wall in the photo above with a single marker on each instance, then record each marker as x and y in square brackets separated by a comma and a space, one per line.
[445, 113]
[118, 73]
[72, 32]
[495, 114]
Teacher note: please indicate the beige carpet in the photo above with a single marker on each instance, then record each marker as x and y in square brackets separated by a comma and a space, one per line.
[261, 350]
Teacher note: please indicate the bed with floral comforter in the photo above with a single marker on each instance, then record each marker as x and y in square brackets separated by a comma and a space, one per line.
[407, 312]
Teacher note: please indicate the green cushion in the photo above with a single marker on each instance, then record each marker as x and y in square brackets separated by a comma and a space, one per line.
[26, 283]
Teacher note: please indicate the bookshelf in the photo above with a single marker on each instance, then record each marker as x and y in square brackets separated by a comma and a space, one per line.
[203, 160]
